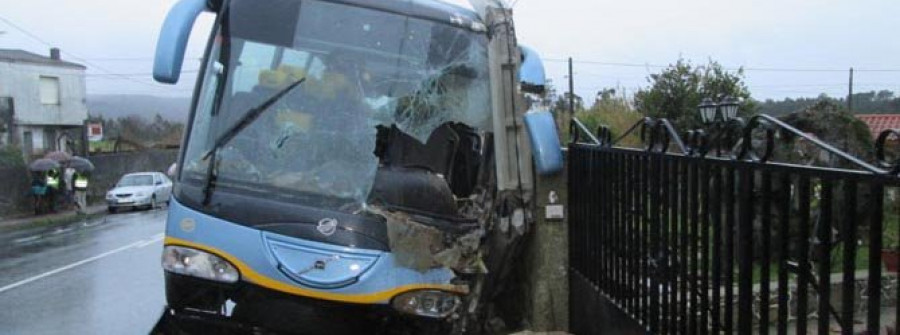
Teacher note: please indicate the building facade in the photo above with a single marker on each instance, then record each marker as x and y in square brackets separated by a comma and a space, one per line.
[43, 101]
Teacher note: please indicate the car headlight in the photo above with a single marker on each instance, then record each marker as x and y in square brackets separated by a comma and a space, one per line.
[196, 263]
[109, 195]
[428, 303]
[141, 194]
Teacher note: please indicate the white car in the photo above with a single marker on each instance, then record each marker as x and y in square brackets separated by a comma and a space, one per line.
[139, 190]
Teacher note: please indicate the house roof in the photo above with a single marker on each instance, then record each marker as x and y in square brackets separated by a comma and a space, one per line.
[22, 56]
[880, 122]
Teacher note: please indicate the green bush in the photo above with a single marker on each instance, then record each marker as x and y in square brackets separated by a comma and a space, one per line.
[11, 157]
[616, 115]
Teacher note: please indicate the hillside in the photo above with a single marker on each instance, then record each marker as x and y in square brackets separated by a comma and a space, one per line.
[174, 109]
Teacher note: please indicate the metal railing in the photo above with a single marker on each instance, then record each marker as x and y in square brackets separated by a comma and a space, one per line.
[690, 243]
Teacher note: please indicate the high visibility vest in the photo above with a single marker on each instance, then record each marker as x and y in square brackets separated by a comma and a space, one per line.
[81, 182]
[52, 181]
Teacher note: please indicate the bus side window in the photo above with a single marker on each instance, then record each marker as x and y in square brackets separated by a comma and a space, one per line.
[295, 58]
[254, 58]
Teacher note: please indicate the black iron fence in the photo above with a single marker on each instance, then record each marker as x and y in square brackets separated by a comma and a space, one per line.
[684, 240]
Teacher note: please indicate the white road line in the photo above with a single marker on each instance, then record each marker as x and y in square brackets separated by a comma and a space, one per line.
[70, 266]
[63, 230]
[154, 239]
[92, 223]
[26, 239]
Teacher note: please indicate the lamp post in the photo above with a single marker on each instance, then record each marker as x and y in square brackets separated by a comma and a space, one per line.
[717, 116]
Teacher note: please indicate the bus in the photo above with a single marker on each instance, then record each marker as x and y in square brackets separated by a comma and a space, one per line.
[351, 166]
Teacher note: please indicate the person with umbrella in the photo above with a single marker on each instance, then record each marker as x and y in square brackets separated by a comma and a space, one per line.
[67, 180]
[80, 185]
[82, 168]
[63, 184]
[38, 191]
[52, 188]
[43, 176]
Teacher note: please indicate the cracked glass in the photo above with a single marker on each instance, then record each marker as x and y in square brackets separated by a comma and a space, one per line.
[362, 69]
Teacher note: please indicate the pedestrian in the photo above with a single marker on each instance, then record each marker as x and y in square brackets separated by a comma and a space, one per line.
[80, 185]
[38, 191]
[52, 189]
[68, 178]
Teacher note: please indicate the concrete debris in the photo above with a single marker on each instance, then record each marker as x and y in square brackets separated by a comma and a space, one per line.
[421, 247]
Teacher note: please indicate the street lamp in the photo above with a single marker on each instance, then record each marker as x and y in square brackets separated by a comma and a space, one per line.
[719, 117]
[708, 110]
[729, 108]
[723, 111]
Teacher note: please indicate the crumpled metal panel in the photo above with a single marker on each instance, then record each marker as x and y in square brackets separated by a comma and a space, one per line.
[422, 247]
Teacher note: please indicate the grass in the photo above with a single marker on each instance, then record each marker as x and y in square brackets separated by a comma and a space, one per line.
[102, 146]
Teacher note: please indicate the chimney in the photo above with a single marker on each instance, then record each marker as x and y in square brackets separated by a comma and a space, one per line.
[54, 53]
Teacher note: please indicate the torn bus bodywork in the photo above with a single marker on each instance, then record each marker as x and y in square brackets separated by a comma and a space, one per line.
[351, 167]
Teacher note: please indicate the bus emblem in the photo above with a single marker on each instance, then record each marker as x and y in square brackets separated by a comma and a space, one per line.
[327, 226]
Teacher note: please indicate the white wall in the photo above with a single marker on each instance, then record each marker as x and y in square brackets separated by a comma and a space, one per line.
[37, 136]
[21, 81]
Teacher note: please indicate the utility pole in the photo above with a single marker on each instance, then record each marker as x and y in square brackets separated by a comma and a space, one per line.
[571, 90]
[850, 95]
[849, 108]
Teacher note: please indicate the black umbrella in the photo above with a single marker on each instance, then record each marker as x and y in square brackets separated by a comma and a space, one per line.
[43, 164]
[80, 164]
[59, 156]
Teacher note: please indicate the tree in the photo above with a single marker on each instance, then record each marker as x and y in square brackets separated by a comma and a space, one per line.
[872, 102]
[614, 112]
[561, 105]
[676, 92]
[831, 123]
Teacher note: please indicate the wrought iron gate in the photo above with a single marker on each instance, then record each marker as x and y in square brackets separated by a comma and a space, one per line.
[683, 241]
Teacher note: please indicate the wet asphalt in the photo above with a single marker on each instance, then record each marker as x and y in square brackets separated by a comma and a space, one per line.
[99, 276]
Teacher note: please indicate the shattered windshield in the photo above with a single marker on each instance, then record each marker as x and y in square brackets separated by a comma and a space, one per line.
[381, 90]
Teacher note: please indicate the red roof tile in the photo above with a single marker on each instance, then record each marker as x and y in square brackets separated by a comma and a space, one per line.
[880, 122]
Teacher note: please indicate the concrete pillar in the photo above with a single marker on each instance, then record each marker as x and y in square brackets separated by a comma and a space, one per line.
[548, 258]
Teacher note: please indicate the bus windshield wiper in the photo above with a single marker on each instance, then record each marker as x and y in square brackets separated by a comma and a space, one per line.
[229, 134]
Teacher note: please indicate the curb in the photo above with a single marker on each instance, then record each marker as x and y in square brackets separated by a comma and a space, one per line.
[51, 220]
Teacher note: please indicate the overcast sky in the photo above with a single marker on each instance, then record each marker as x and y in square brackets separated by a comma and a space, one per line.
[790, 48]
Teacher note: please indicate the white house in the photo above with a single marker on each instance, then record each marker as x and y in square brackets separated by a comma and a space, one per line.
[41, 98]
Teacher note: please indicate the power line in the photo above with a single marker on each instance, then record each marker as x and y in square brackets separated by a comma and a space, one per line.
[133, 74]
[132, 59]
[76, 57]
[754, 69]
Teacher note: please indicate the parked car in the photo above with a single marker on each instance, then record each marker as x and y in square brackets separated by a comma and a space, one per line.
[139, 190]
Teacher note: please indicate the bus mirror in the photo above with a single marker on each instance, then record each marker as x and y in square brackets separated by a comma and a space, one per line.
[531, 71]
[545, 147]
[173, 40]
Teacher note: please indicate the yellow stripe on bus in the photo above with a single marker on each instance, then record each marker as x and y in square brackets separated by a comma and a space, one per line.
[362, 298]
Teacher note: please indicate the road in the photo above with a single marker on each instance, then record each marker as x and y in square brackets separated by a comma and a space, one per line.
[94, 277]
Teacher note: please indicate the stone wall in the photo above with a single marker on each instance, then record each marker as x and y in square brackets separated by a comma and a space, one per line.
[111, 167]
[860, 299]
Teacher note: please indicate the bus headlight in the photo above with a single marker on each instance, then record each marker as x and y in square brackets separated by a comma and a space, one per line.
[428, 303]
[197, 263]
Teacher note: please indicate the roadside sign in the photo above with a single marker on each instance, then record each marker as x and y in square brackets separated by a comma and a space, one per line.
[95, 131]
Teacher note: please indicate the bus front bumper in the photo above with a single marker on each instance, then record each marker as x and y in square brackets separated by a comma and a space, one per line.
[197, 306]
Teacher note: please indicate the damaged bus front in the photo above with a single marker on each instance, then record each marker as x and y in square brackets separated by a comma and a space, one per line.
[350, 166]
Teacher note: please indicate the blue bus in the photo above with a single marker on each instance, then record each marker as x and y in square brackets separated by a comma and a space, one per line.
[351, 166]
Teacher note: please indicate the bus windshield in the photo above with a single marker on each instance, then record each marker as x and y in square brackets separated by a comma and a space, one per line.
[364, 71]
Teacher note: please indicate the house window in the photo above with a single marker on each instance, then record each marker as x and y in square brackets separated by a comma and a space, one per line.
[49, 90]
